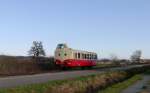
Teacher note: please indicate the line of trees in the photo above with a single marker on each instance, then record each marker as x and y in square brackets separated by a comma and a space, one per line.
[134, 58]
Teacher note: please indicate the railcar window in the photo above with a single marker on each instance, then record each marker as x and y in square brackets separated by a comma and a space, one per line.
[65, 54]
[87, 56]
[95, 56]
[60, 46]
[92, 56]
[79, 56]
[82, 56]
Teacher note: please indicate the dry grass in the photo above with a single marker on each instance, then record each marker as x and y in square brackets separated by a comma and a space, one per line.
[89, 84]
[10, 65]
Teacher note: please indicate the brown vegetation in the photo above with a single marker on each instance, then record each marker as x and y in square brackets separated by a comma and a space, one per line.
[24, 65]
[88, 85]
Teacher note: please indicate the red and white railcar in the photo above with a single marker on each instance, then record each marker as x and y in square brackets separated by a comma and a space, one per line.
[67, 57]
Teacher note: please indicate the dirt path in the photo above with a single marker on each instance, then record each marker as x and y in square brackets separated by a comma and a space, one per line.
[138, 87]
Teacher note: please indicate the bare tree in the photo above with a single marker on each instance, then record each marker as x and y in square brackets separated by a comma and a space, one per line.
[136, 56]
[37, 49]
[114, 59]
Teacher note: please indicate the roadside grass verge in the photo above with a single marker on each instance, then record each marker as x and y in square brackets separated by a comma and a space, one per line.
[86, 84]
[117, 88]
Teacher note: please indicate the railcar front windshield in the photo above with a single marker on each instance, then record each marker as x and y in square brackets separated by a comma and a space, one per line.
[61, 46]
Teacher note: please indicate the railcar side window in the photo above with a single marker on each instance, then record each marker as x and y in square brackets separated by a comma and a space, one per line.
[87, 56]
[79, 56]
[92, 56]
[82, 56]
[95, 57]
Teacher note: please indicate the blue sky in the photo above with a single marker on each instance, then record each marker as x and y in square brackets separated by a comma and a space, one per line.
[103, 26]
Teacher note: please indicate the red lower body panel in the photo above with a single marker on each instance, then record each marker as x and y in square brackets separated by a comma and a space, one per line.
[76, 63]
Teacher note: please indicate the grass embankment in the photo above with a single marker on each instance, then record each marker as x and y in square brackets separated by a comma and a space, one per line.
[117, 88]
[88, 84]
